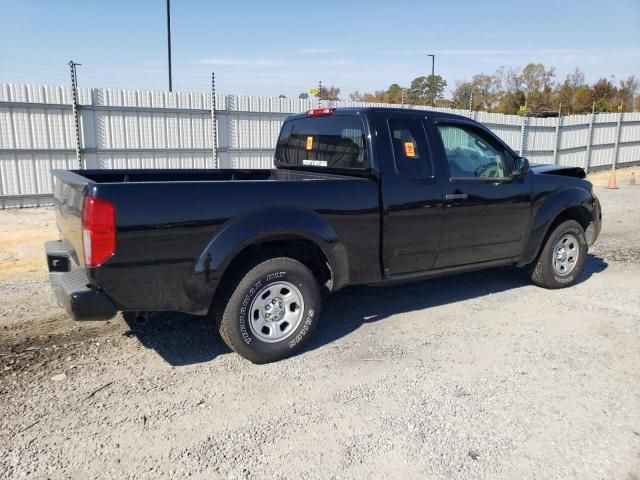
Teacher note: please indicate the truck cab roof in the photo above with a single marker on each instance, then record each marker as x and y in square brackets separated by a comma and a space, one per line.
[372, 110]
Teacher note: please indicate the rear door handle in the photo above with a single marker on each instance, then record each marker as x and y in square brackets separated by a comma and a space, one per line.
[456, 196]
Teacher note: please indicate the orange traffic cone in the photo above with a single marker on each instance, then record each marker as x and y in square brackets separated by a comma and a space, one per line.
[613, 184]
[633, 179]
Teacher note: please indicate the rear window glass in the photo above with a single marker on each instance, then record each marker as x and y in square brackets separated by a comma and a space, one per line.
[410, 147]
[332, 142]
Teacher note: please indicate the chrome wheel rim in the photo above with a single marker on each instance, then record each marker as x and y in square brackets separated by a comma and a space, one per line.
[565, 254]
[276, 312]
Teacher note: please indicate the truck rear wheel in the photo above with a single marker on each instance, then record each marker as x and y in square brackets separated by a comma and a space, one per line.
[272, 312]
[562, 257]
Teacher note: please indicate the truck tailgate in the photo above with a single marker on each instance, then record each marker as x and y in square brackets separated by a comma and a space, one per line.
[65, 257]
[69, 193]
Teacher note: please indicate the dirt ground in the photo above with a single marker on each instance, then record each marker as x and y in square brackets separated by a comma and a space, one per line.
[476, 376]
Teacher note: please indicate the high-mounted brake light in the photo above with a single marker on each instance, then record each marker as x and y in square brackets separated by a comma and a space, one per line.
[98, 230]
[317, 112]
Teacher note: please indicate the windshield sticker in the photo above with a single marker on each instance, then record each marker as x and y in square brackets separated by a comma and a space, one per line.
[315, 163]
[309, 145]
[409, 149]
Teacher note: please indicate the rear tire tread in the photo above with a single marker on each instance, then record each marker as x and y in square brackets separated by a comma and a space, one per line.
[228, 320]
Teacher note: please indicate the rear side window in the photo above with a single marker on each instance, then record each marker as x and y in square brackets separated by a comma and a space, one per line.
[410, 150]
[335, 141]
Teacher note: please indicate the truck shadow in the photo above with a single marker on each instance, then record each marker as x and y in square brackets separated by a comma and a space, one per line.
[350, 308]
[179, 338]
[182, 339]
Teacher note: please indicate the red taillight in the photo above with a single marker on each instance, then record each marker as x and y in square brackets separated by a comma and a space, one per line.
[98, 230]
[317, 112]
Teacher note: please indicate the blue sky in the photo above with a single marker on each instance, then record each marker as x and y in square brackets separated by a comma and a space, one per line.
[274, 47]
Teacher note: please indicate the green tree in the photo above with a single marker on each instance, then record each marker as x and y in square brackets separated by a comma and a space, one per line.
[461, 95]
[303, 96]
[425, 90]
[393, 94]
[537, 85]
[510, 102]
[535, 78]
[582, 100]
[603, 93]
[507, 91]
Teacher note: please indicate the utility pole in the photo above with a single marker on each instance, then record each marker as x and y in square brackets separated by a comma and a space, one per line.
[169, 43]
[320, 94]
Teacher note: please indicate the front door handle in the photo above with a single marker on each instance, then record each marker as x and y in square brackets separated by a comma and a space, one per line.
[456, 196]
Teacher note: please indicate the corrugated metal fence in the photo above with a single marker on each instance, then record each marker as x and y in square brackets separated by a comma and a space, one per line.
[145, 129]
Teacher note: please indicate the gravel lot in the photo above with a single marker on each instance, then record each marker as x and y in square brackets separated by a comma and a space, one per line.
[477, 376]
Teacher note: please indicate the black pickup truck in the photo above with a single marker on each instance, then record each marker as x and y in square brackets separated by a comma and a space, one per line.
[358, 196]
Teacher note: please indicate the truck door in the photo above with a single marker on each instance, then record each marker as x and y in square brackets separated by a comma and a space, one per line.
[487, 208]
[411, 195]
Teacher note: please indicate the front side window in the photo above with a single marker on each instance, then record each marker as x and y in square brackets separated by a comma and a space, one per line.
[410, 150]
[335, 141]
[472, 154]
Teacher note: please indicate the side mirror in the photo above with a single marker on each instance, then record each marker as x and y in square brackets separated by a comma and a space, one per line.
[521, 166]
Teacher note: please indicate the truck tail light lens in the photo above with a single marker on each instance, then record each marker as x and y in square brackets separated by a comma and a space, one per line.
[318, 112]
[98, 230]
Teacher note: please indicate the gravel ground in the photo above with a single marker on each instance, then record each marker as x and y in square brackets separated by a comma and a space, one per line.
[476, 376]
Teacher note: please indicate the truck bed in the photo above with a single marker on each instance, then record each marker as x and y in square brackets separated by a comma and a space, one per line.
[167, 221]
[204, 175]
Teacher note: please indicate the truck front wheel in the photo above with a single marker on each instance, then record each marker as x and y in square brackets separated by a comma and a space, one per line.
[272, 312]
[562, 257]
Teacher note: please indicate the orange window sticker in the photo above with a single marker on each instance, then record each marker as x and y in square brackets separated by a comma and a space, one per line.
[309, 145]
[409, 149]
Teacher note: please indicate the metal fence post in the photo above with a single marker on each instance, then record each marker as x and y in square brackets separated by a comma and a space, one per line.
[616, 151]
[523, 136]
[232, 125]
[74, 97]
[556, 145]
[589, 142]
[214, 127]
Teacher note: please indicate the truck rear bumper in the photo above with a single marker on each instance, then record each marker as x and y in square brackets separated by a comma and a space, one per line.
[71, 286]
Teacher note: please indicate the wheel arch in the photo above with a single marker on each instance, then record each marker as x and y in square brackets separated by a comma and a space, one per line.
[570, 204]
[300, 234]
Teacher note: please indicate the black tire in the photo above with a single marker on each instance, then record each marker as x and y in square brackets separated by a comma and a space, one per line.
[236, 328]
[543, 273]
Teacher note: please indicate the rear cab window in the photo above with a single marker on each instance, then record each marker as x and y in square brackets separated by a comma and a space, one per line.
[332, 142]
[410, 149]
